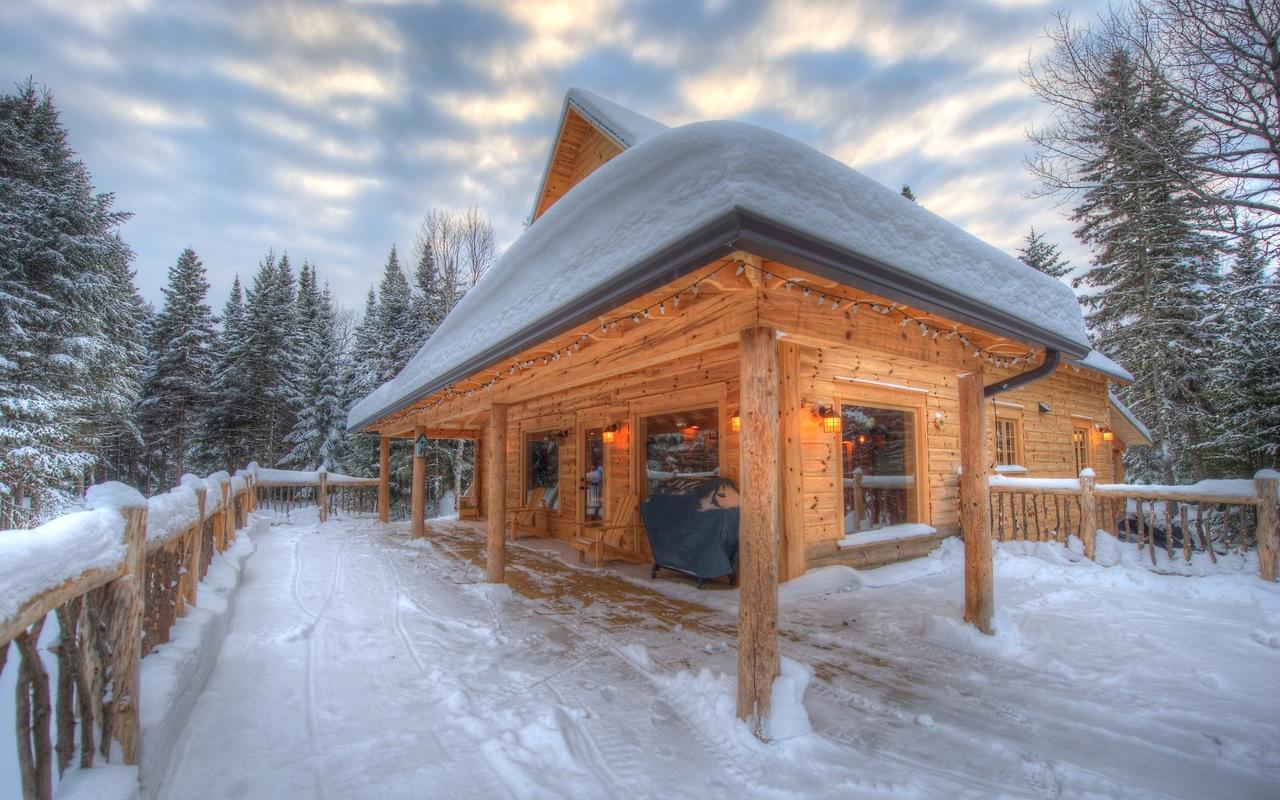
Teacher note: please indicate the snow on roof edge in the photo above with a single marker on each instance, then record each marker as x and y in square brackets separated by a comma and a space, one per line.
[1131, 418]
[1100, 363]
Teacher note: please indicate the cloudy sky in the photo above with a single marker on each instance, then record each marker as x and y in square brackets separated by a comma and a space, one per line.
[328, 129]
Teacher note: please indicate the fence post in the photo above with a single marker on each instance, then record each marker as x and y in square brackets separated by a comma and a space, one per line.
[1088, 512]
[195, 556]
[1265, 483]
[322, 496]
[124, 598]
[224, 521]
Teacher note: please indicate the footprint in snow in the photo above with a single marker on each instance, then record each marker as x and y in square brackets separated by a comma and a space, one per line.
[296, 633]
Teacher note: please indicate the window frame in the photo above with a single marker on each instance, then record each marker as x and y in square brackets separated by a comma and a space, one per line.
[1013, 418]
[1084, 429]
[640, 455]
[889, 400]
[525, 490]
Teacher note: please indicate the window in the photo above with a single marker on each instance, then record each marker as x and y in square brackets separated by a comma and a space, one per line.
[683, 444]
[1080, 446]
[880, 466]
[593, 474]
[542, 467]
[1007, 436]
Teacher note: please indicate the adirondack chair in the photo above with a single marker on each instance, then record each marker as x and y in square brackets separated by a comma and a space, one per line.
[469, 503]
[532, 518]
[610, 537]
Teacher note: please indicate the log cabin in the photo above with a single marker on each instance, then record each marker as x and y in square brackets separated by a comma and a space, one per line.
[719, 299]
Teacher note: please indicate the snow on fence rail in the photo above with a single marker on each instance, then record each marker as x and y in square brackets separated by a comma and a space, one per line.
[117, 576]
[1210, 515]
[284, 490]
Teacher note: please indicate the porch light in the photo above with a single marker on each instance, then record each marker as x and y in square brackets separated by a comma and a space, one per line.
[1108, 435]
[735, 423]
[862, 438]
[830, 419]
[610, 433]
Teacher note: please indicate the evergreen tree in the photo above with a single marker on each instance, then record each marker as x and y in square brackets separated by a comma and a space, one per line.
[1043, 255]
[907, 193]
[271, 356]
[65, 293]
[428, 298]
[318, 434]
[1147, 288]
[180, 364]
[229, 423]
[1246, 373]
[396, 326]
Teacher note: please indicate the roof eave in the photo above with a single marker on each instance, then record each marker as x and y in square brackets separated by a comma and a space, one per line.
[743, 230]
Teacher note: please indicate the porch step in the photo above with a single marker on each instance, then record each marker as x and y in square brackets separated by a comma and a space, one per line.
[878, 554]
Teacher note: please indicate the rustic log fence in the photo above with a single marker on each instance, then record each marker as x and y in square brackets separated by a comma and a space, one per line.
[1211, 517]
[116, 578]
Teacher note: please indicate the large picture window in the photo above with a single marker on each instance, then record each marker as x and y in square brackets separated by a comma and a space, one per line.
[880, 466]
[542, 467]
[684, 444]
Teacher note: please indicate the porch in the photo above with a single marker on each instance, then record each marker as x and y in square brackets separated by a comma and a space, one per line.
[362, 662]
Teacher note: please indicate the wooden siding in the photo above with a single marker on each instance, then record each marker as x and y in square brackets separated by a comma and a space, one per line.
[580, 150]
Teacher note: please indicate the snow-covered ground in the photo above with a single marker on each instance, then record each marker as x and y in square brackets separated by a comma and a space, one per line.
[362, 664]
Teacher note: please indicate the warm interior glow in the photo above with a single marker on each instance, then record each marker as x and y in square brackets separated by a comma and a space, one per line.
[608, 435]
[831, 423]
[1108, 435]
[690, 433]
[735, 423]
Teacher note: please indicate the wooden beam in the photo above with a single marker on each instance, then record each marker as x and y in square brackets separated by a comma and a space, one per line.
[384, 478]
[418, 491]
[496, 555]
[1265, 484]
[792, 474]
[975, 513]
[758, 532]
[322, 497]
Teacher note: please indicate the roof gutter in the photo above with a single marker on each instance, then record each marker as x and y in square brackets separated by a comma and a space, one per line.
[1051, 360]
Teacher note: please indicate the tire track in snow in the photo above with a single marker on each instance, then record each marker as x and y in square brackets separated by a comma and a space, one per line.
[309, 678]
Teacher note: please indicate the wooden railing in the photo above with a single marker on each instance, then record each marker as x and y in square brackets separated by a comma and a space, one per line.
[283, 491]
[1210, 516]
[116, 577]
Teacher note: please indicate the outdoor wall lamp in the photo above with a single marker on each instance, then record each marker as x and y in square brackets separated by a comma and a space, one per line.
[830, 419]
[610, 433]
[1108, 435]
[735, 423]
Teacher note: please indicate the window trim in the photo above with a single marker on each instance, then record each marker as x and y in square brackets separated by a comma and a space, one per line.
[1085, 428]
[639, 455]
[1014, 416]
[889, 399]
[525, 433]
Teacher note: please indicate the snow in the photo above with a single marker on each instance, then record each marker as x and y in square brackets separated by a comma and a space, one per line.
[113, 495]
[818, 582]
[306, 477]
[1130, 417]
[888, 533]
[358, 666]
[38, 559]
[1225, 487]
[171, 513]
[678, 181]
[1099, 363]
[1034, 484]
[623, 124]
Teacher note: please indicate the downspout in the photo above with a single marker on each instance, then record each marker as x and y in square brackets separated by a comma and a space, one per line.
[1051, 360]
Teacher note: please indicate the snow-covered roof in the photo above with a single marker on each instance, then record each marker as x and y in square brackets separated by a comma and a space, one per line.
[681, 198]
[626, 127]
[1127, 414]
[1099, 363]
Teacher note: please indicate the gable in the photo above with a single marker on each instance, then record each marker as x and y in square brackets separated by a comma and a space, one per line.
[580, 149]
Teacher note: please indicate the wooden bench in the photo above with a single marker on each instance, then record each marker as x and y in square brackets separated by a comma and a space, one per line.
[469, 503]
[609, 538]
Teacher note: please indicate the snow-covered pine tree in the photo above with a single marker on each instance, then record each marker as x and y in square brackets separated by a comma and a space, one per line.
[428, 305]
[1147, 290]
[317, 435]
[61, 262]
[227, 428]
[1043, 255]
[359, 453]
[180, 363]
[907, 193]
[270, 343]
[397, 332]
[1246, 372]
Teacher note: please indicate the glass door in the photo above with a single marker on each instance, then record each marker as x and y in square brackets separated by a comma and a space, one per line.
[593, 468]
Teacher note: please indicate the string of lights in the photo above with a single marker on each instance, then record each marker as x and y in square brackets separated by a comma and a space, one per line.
[831, 302]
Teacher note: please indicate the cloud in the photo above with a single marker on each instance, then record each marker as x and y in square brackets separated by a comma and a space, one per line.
[326, 185]
[289, 128]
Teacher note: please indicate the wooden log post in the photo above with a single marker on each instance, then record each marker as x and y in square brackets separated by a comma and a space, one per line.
[478, 493]
[975, 518]
[1088, 512]
[228, 516]
[418, 491]
[758, 528]
[124, 614]
[195, 553]
[496, 553]
[1265, 484]
[384, 479]
[792, 563]
[322, 496]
